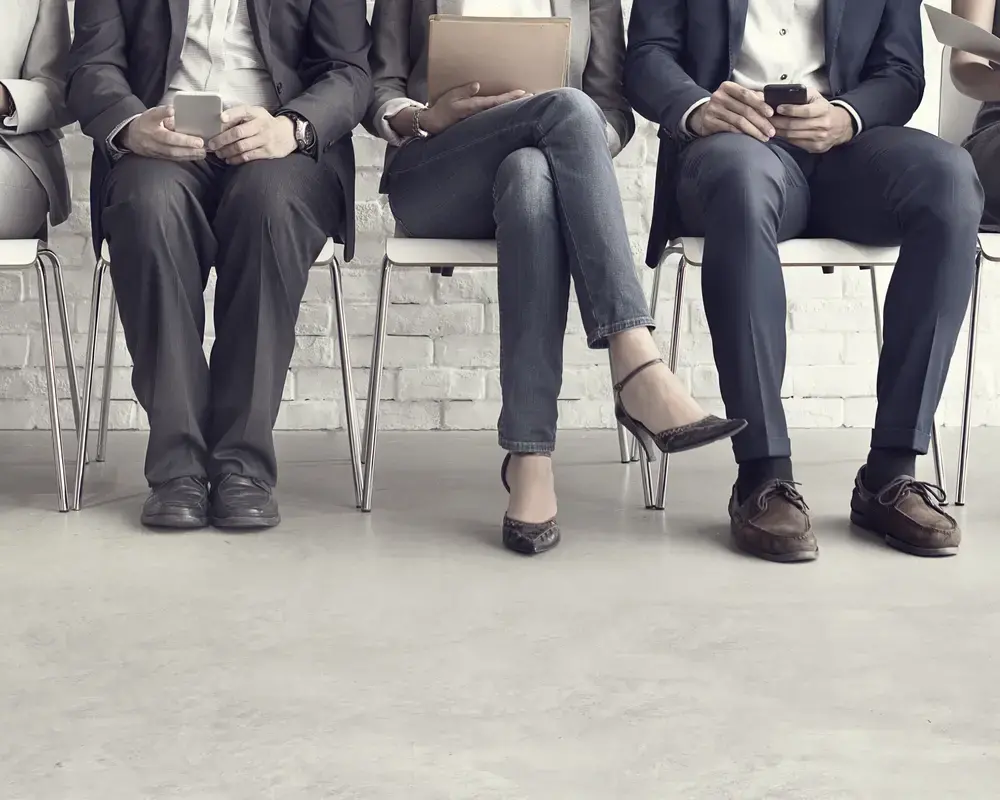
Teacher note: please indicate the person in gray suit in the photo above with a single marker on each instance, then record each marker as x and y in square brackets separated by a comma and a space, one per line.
[257, 202]
[536, 173]
[34, 41]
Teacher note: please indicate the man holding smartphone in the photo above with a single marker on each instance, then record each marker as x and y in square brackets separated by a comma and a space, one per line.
[746, 175]
[256, 202]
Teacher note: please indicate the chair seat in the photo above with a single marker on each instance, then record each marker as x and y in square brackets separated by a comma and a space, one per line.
[325, 256]
[18, 252]
[989, 243]
[811, 253]
[441, 252]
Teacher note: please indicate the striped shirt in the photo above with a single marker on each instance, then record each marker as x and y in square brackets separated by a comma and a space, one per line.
[221, 56]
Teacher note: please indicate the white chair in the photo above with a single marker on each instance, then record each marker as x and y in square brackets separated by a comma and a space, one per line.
[956, 116]
[438, 255]
[22, 255]
[326, 258]
[825, 253]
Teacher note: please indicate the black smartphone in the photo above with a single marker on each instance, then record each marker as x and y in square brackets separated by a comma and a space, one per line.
[785, 94]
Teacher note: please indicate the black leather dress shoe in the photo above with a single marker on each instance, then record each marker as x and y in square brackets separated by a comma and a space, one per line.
[243, 503]
[179, 504]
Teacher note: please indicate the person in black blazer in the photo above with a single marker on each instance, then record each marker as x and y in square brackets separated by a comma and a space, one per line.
[746, 176]
[256, 202]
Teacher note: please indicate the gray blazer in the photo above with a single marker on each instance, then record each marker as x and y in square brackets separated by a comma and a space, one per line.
[34, 43]
[399, 55]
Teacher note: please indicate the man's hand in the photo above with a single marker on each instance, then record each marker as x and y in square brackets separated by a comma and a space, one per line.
[817, 126]
[462, 103]
[251, 133]
[733, 109]
[152, 135]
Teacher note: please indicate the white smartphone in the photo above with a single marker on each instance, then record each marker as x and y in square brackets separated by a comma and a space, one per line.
[198, 114]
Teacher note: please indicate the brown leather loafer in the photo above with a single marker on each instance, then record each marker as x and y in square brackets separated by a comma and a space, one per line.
[773, 524]
[907, 513]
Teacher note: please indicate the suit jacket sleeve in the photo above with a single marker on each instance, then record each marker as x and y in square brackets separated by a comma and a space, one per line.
[390, 56]
[97, 90]
[602, 77]
[655, 82]
[892, 83]
[38, 92]
[335, 69]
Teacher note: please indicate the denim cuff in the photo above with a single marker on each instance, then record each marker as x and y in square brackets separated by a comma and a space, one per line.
[542, 448]
[598, 339]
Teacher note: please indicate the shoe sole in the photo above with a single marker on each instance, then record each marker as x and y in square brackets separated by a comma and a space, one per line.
[246, 523]
[783, 558]
[860, 521]
[166, 522]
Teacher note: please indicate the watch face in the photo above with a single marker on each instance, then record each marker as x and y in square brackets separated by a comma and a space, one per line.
[305, 132]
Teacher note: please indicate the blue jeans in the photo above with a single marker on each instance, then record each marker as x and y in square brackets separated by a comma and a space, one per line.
[536, 174]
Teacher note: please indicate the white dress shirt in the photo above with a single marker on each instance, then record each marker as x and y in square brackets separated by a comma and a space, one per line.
[784, 42]
[220, 56]
[464, 8]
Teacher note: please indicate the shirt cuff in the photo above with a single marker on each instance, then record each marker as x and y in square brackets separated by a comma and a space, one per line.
[113, 150]
[685, 131]
[858, 127]
[386, 112]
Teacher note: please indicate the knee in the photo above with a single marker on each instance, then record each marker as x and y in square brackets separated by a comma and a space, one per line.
[574, 106]
[141, 200]
[524, 178]
[259, 192]
[737, 176]
[946, 186]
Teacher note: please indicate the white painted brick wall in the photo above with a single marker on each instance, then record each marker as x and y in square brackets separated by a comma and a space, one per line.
[441, 359]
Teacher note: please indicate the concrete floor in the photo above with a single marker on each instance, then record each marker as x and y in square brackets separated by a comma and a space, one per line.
[404, 655]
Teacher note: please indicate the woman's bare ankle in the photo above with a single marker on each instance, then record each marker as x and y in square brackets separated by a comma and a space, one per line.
[532, 488]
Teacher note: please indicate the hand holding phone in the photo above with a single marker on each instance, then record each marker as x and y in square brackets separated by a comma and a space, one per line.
[785, 94]
[816, 126]
[734, 109]
[152, 135]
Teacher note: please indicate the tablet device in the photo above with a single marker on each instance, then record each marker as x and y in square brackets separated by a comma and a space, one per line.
[502, 54]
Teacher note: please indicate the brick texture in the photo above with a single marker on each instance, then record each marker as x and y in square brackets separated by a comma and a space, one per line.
[441, 358]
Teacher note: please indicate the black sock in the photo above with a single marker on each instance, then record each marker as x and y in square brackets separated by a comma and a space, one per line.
[760, 470]
[887, 464]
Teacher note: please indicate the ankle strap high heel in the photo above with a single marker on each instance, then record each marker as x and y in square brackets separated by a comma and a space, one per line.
[527, 538]
[705, 431]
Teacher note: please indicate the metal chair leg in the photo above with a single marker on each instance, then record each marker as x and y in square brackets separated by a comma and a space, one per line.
[350, 401]
[963, 458]
[939, 474]
[55, 265]
[50, 372]
[83, 431]
[109, 367]
[375, 386]
[674, 355]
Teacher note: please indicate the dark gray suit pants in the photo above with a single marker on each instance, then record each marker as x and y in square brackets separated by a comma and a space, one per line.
[261, 225]
[887, 186]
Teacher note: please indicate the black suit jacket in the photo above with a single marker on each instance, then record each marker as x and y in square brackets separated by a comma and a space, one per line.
[681, 51]
[125, 52]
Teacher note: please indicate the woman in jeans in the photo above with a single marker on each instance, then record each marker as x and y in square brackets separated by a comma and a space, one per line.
[536, 173]
[980, 80]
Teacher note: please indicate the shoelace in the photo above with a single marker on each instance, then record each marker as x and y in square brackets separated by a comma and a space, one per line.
[782, 489]
[897, 489]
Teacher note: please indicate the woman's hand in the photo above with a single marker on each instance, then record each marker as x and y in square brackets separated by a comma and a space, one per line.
[454, 106]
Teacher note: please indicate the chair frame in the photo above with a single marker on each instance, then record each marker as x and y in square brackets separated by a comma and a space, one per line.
[378, 362]
[83, 422]
[676, 248]
[46, 261]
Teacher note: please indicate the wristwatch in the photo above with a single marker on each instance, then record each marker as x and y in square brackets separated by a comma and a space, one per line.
[305, 134]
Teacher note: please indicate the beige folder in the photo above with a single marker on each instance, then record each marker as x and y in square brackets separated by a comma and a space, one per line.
[500, 53]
